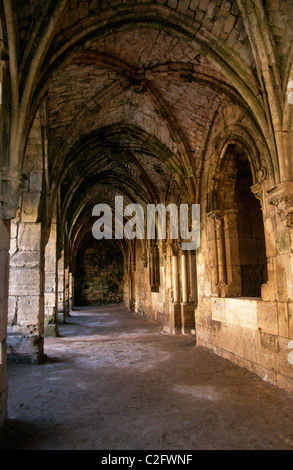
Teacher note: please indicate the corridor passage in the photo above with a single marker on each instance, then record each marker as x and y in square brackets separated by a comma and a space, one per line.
[116, 381]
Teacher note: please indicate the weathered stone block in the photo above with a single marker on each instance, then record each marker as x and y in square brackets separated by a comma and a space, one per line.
[230, 21]
[24, 282]
[194, 5]
[285, 357]
[283, 319]
[30, 207]
[29, 236]
[50, 300]
[218, 309]
[22, 348]
[28, 310]
[282, 242]
[269, 351]
[36, 181]
[267, 317]
[241, 312]
[249, 341]
[25, 259]
[50, 331]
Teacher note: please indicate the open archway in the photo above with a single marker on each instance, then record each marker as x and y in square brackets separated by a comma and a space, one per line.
[237, 218]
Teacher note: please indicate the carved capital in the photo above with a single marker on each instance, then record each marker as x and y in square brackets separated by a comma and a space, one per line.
[164, 247]
[222, 289]
[12, 184]
[175, 247]
[231, 218]
[281, 196]
[257, 191]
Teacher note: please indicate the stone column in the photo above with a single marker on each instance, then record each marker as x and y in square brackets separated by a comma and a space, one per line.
[192, 276]
[26, 296]
[187, 309]
[51, 284]
[11, 185]
[26, 293]
[221, 253]
[175, 313]
[218, 255]
[175, 279]
[184, 278]
[70, 291]
[280, 286]
[66, 291]
[233, 271]
[61, 285]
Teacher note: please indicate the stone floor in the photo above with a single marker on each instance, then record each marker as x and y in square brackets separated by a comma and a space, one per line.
[114, 381]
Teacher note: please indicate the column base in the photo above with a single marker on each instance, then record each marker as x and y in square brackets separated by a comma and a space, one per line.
[50, 330]
[25, 349]
[187, 319]
[176, 319]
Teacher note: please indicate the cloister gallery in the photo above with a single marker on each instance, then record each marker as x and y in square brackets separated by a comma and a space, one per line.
[165, 102]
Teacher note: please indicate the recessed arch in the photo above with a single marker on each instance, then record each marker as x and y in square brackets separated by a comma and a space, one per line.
[262, 166]
[237, 218]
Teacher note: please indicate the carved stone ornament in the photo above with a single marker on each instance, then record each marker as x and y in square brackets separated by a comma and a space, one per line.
[222, 289]
[257, 191]
[144, 258]
[12, 184]
[281, 196]
[175, 248]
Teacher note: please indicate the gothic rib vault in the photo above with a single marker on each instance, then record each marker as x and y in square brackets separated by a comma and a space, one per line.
[167, 101]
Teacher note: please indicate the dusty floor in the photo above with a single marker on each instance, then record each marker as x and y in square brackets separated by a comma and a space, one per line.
[115, 381]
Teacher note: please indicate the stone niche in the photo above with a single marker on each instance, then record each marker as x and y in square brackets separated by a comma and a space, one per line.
[98, 274]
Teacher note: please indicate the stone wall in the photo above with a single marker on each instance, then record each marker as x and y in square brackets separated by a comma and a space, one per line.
[98, 275]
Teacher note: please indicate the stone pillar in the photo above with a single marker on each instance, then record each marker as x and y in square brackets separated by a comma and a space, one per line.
[11, 185]
[233, 270]
[66, 291]
[4, 276]
[60, 283]
[26, 296]
[221, 254]
[51, 284]
[280, 264]
[184, 291]
[175, 314]
[192, 276]
[70, 291]
[184, 278]
[131, 283]
[225, 253]
[26, 293]
[175, 279]
[187, 308]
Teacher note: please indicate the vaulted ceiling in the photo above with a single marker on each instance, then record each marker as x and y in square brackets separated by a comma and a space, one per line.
[134, 90]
